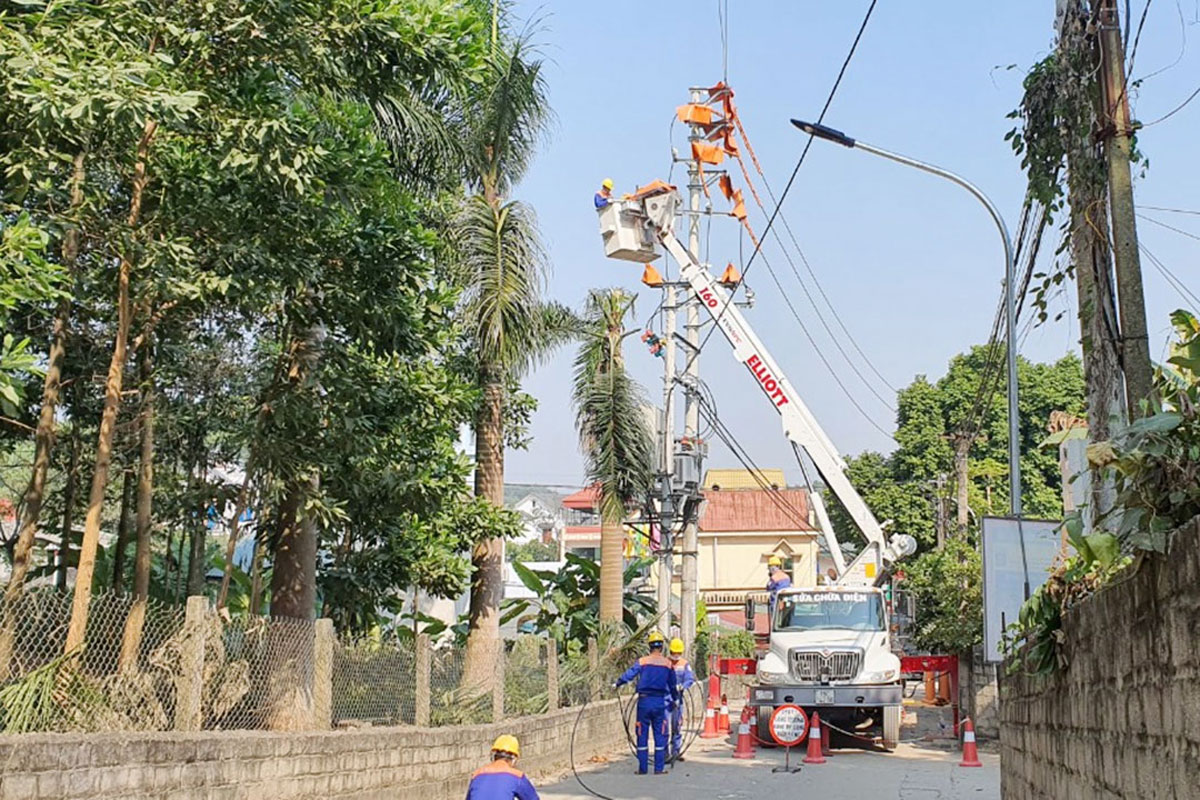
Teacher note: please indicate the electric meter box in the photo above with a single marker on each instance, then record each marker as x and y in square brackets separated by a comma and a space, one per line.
[626, 232]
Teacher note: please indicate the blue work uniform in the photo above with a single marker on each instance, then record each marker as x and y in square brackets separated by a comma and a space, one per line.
[656, 689]
[684, 680]
[500, 780]
[602, 201]
[779, 581]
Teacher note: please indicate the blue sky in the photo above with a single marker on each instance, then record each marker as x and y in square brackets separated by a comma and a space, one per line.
[911, 263]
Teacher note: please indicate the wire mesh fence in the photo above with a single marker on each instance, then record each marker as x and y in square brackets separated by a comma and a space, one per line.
[151, 666]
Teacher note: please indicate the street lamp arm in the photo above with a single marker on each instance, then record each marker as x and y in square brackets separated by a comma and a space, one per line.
[1014, 449]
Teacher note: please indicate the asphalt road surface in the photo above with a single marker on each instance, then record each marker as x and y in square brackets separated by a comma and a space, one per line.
[914, 772]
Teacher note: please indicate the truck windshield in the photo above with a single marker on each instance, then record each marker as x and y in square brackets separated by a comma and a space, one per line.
[815, 611]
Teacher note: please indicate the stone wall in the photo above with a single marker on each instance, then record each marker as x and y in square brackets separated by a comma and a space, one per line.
[1123, 719]
[363, 764]
[979, 693]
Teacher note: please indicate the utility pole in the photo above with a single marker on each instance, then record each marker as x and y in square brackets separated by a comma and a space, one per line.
[962, 452]
[665, 567]
[1117, 130]
[939, 503]
[689, 589]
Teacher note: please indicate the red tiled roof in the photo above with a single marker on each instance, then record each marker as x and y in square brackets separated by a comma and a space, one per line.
[756, 510]
[585, 499]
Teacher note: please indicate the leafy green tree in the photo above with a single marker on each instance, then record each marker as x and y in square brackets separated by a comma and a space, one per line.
[613, 432]
[535, 550]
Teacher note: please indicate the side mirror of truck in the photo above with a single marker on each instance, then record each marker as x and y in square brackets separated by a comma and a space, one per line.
[750, 614]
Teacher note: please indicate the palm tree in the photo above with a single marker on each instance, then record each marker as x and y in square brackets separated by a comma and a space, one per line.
[612, 431]
[511, 326]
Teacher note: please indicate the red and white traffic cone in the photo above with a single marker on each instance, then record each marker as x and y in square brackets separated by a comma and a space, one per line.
[745, 740]
[970, 755]
[710, 724]
[714, 690]
[814, 741]
[723, 716]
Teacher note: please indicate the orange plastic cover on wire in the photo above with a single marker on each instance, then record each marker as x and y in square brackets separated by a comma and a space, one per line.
[726, 185]
[719, 92]
[651, 188]
[739, 205]
[731, 275]
[651, 276]
[707, 153]
[694, 114]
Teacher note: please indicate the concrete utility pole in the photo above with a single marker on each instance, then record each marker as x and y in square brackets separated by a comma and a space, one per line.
[939, 504]
[689, 589]
[665, 567]
[1135, 343]
[962, 477]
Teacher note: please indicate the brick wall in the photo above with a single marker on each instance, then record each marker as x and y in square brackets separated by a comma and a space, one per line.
[1123, 720]
[363, 764]
[979, 692]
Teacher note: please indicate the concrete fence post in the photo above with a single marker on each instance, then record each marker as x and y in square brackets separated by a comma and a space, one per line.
[593, 649]
[423, 667]
[552, 674]
[498, 684]
[323, 642]
[189, 711]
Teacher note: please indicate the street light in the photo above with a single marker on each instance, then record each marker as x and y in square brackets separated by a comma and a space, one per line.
[1010, 302]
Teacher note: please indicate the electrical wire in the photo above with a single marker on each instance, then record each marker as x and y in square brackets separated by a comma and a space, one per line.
[1169, 227]
[1172, 279]
[795, 170]
[1170, 210]
[1175, 110]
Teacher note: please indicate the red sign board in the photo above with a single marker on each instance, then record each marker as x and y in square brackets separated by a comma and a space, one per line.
[788, 725]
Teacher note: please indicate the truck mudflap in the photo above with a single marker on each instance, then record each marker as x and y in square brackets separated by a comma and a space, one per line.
[817, 696]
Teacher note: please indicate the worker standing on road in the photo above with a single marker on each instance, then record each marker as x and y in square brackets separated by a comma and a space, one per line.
[656, 688]
[500, 780]
[604, 196]
[776, 581]
[684, 680]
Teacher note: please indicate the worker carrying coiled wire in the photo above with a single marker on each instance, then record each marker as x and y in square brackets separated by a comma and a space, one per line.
[684, 680]
[657, 691]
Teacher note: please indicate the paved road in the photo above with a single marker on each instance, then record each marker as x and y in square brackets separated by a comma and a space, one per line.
[913, 772]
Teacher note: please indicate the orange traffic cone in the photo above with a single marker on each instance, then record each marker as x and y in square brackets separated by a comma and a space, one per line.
[710, 724]
[714, 690]
[745, 741]
[723, 716]
[814, 741]
[970, 754]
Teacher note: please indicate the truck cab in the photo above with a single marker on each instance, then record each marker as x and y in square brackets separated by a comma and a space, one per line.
[829, 651]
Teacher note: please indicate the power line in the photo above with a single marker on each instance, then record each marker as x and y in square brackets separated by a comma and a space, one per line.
[1175, 110]
[791, 179]
[1169, 227]
[1172, 279]
[1170, 210]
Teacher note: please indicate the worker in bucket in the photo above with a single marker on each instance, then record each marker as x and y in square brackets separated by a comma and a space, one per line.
[777, 580]
[684, 680]
[500, 780]
[657, 690]
[604, 196]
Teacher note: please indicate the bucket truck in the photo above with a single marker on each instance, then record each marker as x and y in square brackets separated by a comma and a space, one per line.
[829, 649]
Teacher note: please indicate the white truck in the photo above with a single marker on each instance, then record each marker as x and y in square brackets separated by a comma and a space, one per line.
[829, 646]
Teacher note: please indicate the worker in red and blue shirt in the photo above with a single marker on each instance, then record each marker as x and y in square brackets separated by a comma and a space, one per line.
[684, 680]
[777, 580]
[500, 780]
[657, 689]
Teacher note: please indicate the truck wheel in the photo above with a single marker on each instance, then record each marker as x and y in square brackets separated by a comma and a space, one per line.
[891, 727]
[763, 730]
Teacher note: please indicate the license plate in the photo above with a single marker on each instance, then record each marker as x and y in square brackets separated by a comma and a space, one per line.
[824, 697]
[764, 694]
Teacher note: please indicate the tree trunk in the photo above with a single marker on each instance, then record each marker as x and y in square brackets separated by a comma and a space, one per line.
[293, 579]
[487, 584]
[68, 516]
[612, 570]
[198, 534]
[124, 528]
[131, 641]
[243, 499]
[112, 402]
[256, 570]
[178, 593]
[35, 495]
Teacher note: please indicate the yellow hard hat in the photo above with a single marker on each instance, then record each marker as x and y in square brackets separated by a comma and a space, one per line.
[677, 647]
[655, 638]
[774, 561]
[607, 184]
[507, 744]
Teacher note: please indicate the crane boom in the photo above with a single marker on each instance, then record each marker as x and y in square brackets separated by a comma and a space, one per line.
[654, 213]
